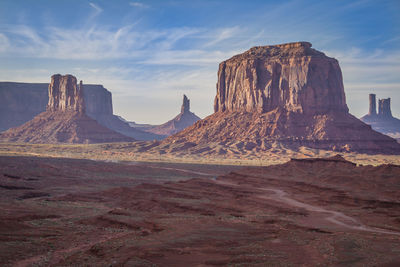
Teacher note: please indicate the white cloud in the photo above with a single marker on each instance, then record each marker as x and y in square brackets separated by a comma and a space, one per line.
[96, 8]
[223, 34]
[4, 43]
[138, 4]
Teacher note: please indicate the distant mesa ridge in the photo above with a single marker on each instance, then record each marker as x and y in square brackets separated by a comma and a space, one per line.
[290, 94]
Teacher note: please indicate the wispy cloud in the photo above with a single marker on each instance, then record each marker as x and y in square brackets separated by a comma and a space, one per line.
[139, 5]
[96, 8]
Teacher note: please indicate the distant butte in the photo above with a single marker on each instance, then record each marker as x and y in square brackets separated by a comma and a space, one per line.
[64, 120]
[183, 120]
[383, 121]
[290, 94]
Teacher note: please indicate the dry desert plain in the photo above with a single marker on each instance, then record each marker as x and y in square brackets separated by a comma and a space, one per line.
[120, 210]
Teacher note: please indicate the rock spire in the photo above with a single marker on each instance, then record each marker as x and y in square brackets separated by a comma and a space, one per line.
[384, 108]
[185, 105]
[372, 105]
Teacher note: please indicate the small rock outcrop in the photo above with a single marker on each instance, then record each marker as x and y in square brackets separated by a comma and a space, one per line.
[64, 120]
[288, 94]
[183, 120]
[383, 121]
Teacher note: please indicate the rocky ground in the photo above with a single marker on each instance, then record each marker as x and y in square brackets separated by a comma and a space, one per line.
[307, 212]
[232, 153]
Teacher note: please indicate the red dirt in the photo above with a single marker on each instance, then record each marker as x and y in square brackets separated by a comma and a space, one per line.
[304, 212]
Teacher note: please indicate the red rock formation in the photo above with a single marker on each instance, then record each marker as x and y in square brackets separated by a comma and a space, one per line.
[291, 76]
[383, 122]
[384, 108]
[289, 94]
[21, 102]
[65, 94]
[372, 105]
[183, 120]
[64, 121]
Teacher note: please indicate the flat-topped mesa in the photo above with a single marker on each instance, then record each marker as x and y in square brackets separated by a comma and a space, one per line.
[384, 108]
[291, 76]
[185, 105]
[65, 94]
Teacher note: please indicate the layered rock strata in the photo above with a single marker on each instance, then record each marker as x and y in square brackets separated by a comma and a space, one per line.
[290, 76]
[290, 94]
[21, 102]
[64, 120]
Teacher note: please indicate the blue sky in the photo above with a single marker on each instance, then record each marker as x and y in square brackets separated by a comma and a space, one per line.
[149, 53]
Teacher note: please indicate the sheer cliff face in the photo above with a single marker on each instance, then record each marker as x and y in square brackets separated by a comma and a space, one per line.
[290, 76]
[65, 94]
[98, 100]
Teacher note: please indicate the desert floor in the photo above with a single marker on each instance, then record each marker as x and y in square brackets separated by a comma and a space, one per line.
[58, 211]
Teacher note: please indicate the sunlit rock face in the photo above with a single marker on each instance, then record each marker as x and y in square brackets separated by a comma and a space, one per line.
[281, 95]
[65, 94]
[64, 120]
[292, 76]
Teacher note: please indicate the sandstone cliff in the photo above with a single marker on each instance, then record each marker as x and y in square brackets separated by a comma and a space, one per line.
[64, 120]
[65, 94]
[383, 121]
[183, 120]
[288, 94]
[290, 76]
[20, 102]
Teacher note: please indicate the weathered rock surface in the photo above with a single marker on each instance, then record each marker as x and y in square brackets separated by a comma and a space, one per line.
[383, 122]
[100, 108]
[21, 102]
[291, 76]
[290, 94]
[65, 94]
[64, 120]
[183, 120]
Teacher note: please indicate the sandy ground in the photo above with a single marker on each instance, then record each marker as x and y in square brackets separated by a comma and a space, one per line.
[144, 152]
[70, 212]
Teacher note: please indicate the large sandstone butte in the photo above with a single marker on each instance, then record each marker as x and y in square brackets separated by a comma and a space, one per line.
[383, 121]
[183, 120]
[289, 94]
[64, 120]
[21, 102]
